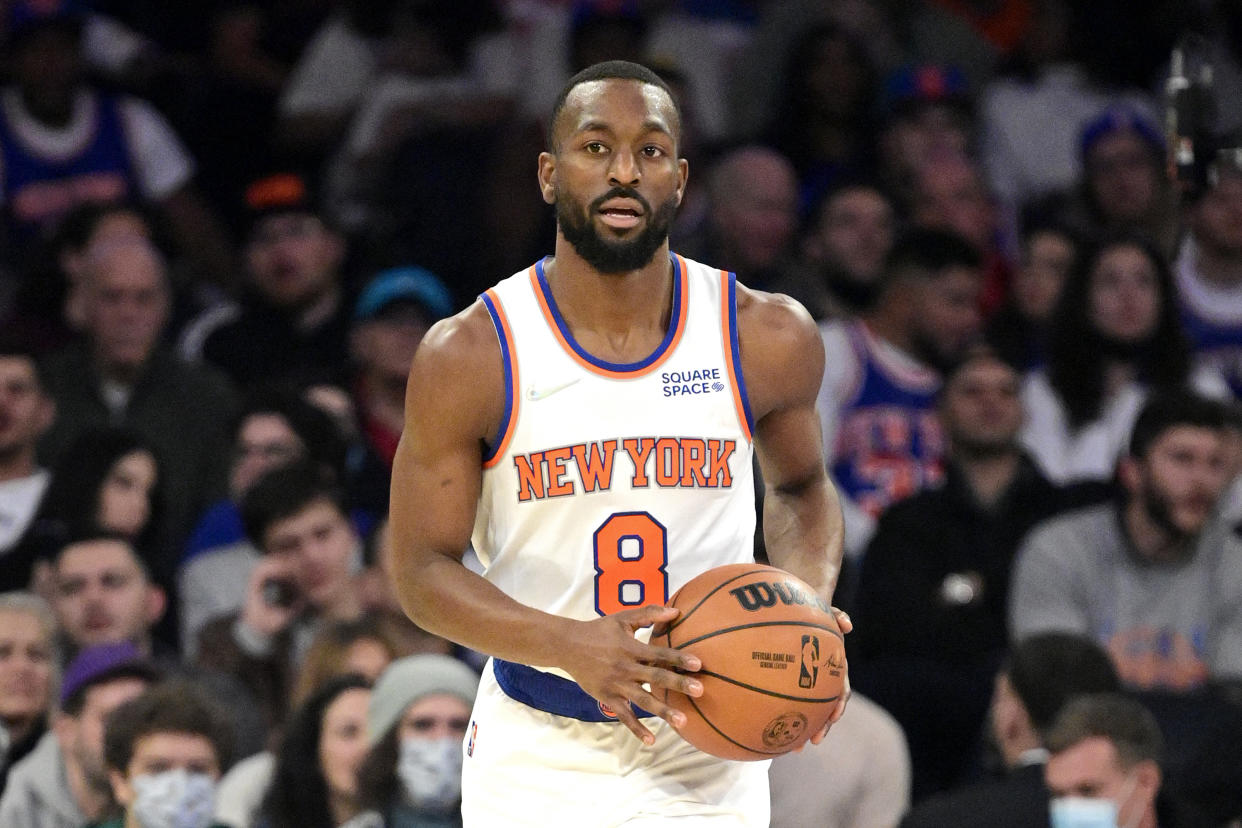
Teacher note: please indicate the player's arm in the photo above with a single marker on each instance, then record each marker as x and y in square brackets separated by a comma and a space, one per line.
[783, 364]
[454, 402]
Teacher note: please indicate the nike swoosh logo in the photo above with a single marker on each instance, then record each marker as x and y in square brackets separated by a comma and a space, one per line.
[534, 394]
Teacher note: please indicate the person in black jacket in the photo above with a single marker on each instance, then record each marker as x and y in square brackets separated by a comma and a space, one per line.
[1039, 676]
[931, 596]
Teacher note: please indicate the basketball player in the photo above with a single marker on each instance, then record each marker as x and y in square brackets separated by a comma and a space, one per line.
[591, 420]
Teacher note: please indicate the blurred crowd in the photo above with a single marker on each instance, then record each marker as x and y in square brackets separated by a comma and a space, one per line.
[225, 227]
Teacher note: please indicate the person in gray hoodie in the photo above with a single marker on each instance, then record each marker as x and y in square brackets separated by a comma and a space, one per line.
[63, 782]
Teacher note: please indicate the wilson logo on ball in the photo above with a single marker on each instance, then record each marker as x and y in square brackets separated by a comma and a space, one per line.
[762, 594]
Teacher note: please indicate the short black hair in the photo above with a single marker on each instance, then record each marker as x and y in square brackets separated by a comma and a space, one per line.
[1170, 409]
[1124, 721]
[1046, 670]
[610, 70]
[928, 252]
[286, 491]
[322, 439]
[170, 707]
[15, 347]
[75, 702]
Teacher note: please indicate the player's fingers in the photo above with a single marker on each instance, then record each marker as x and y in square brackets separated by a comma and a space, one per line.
[839, 710]
[672, 658]
[843, 620]
[687, 685]
[625, 714]
[820, 736]
[650, 703]
[647, 616]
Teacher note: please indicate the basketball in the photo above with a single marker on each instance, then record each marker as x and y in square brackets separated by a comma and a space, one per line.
[773, 661]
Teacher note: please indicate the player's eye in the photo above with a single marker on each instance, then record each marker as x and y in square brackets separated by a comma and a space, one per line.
[653, 151]
[595, 147]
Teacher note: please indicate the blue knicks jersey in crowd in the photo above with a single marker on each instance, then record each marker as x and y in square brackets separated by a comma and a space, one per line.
[1219, 343]
[889, 441]
[40, 188]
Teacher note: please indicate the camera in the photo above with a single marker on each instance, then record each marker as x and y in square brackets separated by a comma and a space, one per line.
[279, 592]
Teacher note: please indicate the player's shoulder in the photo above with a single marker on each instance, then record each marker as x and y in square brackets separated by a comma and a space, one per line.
[775, 318]
[459, 346]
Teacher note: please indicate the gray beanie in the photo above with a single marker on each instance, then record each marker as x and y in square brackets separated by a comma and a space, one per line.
[409, 679]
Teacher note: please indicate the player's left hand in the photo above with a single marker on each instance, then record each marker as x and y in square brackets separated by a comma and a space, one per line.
[845, 625]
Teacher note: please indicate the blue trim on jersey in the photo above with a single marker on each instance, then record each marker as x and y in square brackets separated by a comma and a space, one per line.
[736, 348]
[550, 693]
[507, 358]
[618, 367]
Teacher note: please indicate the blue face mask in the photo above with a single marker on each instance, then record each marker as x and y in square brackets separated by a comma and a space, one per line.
[1083, 812]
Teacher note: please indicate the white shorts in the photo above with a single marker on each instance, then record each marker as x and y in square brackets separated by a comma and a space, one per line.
[524, 766]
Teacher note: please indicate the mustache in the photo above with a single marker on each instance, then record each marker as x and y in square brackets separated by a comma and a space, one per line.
[621, 192]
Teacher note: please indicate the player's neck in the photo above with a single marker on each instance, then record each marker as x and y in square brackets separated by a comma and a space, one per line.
[610, 304]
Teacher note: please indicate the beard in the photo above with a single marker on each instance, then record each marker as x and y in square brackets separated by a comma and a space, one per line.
[1159, 508]
[614, 256]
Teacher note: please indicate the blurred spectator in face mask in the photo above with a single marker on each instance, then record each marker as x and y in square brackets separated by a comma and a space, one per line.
[416, 724]
[164, 751]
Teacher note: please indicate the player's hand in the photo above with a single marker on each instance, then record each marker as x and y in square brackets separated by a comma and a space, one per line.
[845, 625]
[611, 665]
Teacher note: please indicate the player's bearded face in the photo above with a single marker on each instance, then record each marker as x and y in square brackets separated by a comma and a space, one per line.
[613, 255]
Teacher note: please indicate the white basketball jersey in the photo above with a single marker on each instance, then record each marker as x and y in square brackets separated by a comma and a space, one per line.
[610, 486]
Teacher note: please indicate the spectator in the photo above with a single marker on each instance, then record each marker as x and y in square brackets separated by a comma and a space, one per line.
[107, 480]
[1150, 577]
[275, 427]
[752, 215]
[306, 577]
[26, 412]
[842, 251]
[1043, 85]
[164, 751]
[1019, 329]
[315, 784]
[1036, 680]
[392, 315]
[120, 375]
[1124, 187]
[104, 595]
[859, 777]
[1113, 337]
[364, 648]
[27, 675]
[931, 597]
[66, 141]
[293, 320]
[927, 114]
[950, 194]
[823, 123]
[1209, 270]
[416, 725]
[346, 56]
[63, 783]
[881, 435]
[1105, 765]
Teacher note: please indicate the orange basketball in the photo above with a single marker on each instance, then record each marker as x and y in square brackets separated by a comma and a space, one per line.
[773, 661]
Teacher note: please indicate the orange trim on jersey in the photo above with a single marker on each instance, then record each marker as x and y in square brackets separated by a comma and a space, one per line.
[568, 347]
[514, 392]
[726, 340]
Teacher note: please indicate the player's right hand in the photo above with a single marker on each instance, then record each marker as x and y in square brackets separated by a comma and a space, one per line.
[613, 666]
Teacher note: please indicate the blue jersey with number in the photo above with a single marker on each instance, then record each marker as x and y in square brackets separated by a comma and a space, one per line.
[889, 440]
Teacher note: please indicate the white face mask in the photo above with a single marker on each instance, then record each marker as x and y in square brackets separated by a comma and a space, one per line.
[1083, 812]
[430, 772]
[173, 799]
[1089, 812]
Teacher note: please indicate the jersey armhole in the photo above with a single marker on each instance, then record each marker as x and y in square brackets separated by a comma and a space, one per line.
[733, 351]
[495, 449]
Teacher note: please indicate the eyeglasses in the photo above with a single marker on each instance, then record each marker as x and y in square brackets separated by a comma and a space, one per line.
[268, 451]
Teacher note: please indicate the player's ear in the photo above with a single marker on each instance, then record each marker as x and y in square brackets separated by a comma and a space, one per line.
[683, 175]
[547, 177]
